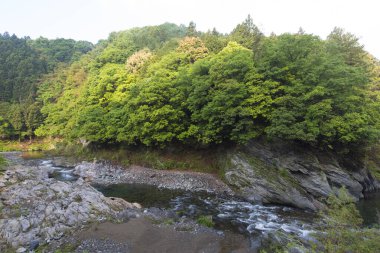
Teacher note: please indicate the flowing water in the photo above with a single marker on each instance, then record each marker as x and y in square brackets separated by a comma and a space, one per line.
[228, 213]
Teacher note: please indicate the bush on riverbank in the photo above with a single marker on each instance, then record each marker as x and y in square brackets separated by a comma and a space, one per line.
[206, 220]
[344, 231]
[35, 145]
[3, 163]
[169, 158]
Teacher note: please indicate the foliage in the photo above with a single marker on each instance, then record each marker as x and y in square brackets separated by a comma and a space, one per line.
[221, 98]
[137, 60]
[20, 68]
[58, 51]
[4, 128]
[323, 99]
[343, 231]
[214, 41]
[169, 158]
[23, 63]
[247, 34]
[166, 84]
[35, 145]
[3, 163]
[206, 221]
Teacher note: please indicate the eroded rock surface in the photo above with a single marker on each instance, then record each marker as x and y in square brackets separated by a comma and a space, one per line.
[37, 208]
[291, 175]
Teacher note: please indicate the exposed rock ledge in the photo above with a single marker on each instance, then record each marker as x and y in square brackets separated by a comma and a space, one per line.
[36, 209]
[281, 173]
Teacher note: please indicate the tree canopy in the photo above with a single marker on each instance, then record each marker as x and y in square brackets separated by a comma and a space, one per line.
[162, 84]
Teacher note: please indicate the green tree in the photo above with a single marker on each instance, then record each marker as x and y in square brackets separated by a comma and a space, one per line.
[322, 99]
[15, 117]
[5, 130]
[33, 118]
[154, 113]
[222, 98]
[192, 30]
[247, 34]
[214, 41]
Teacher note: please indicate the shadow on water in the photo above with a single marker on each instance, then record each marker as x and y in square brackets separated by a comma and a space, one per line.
[146, 195]
[369, 209]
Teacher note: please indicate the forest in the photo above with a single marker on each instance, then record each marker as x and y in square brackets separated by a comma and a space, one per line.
[158, 85]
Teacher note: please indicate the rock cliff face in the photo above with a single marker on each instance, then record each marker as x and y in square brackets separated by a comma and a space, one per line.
[303, 177]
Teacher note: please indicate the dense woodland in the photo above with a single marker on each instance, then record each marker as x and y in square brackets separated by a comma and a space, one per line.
[172, 84]
[24, 63]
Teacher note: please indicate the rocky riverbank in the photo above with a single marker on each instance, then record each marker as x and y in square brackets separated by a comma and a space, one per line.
[36, 209]
[105, 173]
[263, 172]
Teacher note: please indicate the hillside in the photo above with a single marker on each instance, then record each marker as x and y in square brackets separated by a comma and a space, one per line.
[24, 63]
[168, 84]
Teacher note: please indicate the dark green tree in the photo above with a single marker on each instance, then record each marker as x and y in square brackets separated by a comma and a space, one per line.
[247, 34]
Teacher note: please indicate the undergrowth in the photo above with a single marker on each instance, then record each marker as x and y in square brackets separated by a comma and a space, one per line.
[172, 158]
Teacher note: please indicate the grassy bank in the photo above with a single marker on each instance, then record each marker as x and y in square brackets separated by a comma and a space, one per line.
[34, 145]
[3, 164]
[171, 158]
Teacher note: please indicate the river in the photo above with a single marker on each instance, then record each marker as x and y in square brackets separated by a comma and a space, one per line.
[229, 214]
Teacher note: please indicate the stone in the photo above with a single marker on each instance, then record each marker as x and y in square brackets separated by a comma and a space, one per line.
[137, 205]
[34, 245]
[21, 250]
[25, 225]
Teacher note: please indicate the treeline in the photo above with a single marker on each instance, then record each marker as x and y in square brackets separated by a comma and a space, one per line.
[23, 65]
[163, 84]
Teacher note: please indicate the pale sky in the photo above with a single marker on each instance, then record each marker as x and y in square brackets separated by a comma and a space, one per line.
[94, 19]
